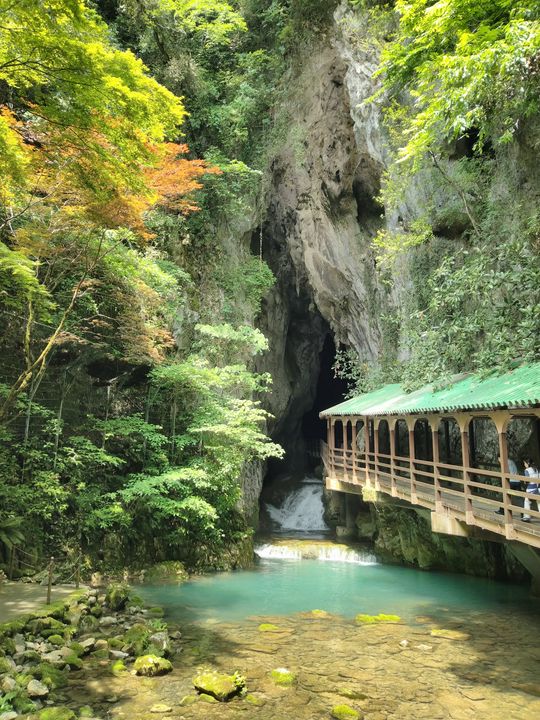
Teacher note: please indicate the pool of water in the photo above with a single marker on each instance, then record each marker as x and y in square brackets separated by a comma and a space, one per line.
[281, 587]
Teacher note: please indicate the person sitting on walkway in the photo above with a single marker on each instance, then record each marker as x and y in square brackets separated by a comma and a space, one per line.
[532, 486]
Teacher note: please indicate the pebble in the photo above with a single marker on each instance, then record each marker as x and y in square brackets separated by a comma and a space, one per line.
[404, 643]
[160, 708]
[108, 620]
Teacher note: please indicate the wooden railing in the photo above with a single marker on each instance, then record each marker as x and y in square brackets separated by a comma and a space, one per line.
[478, 496]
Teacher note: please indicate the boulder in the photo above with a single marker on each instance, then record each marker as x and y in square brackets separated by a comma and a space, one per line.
[36, 689]
[218, 685]
[282, 676]
[160, 641]
[151, 665]
[117, 596]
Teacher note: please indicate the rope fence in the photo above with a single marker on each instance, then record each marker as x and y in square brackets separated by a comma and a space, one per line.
[54, 562]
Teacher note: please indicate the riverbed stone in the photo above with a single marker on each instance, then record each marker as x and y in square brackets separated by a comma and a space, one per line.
[160, 708]
[35, 688]
[283, 676]
[56, 713]
[363, 619]
[218, 685]
[344, 712]
[449, 634]
[151, 665]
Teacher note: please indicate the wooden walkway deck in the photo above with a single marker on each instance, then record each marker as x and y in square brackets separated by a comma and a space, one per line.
[469, 497]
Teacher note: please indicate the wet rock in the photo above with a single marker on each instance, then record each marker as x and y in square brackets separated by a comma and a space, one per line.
[268, 627]
[449, 634]
[404, 643]
[160, 708]
[151, 665]
[218, 685]
[118, 669]
[118, 655]
[188, 700]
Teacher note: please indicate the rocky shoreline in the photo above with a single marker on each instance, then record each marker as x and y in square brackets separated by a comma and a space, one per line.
[42, 654]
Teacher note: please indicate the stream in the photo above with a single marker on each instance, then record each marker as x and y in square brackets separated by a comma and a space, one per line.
[464, 647]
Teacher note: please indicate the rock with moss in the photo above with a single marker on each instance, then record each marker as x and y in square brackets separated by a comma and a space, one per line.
[137, 639]
[344, 712]
[204, 697]
[283, 676]
[50, 675]
[86, 712]
[188, 700]
[151, 665]
[268, 627]
[55, 639]
[74, 662]
[254, 700]
[219, 685]
[8, 645]
[363, 619]
[77, 648]
[118, 668]
[168, 570]
[117, 596]
[157, 612]
[6, 665]
[56, 713]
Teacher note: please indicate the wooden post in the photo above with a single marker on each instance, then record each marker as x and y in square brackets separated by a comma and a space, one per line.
[411, 421]
[463, 422]
[376, 447]
[11, 562]
[366, 449]
[392, 433]
[501, 419]
[354, 451]
[331, 445]
[434, 423]
[49, 583]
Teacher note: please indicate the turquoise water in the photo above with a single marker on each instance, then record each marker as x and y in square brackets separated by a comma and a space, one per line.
[280, 587]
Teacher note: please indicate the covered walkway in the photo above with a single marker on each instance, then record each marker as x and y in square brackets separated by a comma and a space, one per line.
[450, 450]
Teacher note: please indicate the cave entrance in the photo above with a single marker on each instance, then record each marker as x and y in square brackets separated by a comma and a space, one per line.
[330, 390]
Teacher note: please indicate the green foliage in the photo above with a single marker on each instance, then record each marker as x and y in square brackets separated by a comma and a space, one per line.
[470, 68]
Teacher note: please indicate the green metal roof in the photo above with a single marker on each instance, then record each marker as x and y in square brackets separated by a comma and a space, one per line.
[518, 388]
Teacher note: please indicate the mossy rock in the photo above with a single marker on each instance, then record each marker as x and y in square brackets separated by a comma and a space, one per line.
[31, 656]
[168, 570]
[268, 627]
[449, 634]
[56, 713]
[22, 679]
[13, 627]
[344, 712]
[86, 712]
[115, 643]
[151, 665]
[55, 639]
[320, 613]
[46, 626]
[51, 676]
[204, 697]
[218, 685]
[74, 662]
[88, 623]
[137, 638]
[363, 619]
[284, 677]
[118, 668]
[8, 646]
[117, 596]
[5, 665]
[22, 703]
[188, 700]
[96, 611]
[77, 648]
[100, 654]
[157, 612]
[254, 700]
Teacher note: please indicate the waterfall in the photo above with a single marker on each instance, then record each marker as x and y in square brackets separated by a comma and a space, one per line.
[303, 509]
[323, 550]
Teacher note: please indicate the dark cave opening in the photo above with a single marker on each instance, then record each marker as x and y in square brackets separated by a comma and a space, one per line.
[330, 390]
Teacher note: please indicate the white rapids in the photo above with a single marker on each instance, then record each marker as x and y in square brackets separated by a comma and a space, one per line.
[323, 551]
[303, 510]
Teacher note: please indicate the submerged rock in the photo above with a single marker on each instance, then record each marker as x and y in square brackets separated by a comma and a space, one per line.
[57, 713]
[344, 712]
[282, 676]
[450, 634]
[218, 685]
[151, 665]
[363, 619]
[269, 627]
